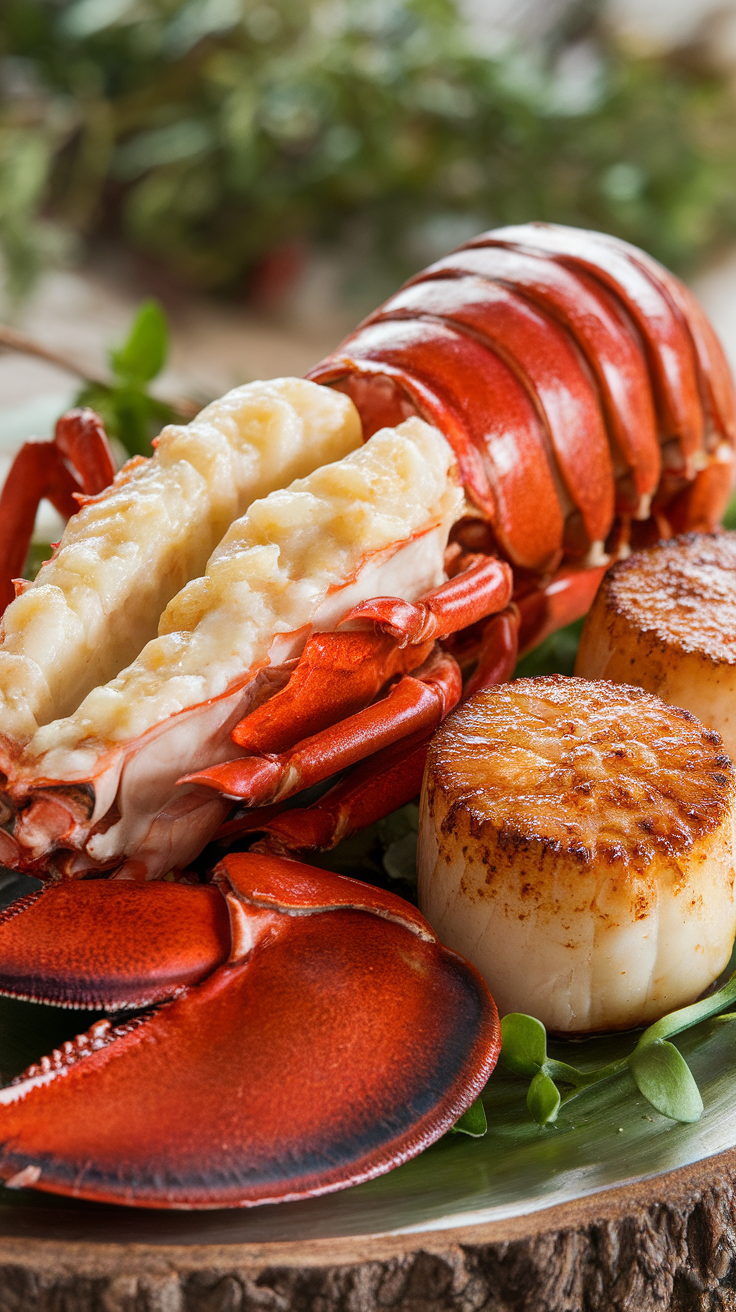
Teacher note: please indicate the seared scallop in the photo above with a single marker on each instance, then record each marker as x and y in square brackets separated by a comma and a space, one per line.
[576, 845]
[665, 620]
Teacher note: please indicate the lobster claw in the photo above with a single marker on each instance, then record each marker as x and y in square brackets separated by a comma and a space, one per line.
[331, 1038]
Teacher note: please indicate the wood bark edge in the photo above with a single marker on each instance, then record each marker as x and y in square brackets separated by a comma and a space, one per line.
[666, 1243]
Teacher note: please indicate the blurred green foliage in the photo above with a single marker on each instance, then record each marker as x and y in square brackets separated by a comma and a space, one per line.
[219, 134]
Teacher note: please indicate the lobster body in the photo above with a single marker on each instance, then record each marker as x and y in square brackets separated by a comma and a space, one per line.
[588, 408]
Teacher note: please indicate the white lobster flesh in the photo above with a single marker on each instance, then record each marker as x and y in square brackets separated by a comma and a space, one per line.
[128, 551]
[103, 780]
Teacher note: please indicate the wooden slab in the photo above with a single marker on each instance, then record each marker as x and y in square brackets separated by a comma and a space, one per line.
[666, 1243]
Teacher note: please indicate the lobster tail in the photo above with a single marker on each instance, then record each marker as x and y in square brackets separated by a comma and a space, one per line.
[579, 383]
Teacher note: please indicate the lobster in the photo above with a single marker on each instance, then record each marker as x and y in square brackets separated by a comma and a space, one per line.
[532, 405]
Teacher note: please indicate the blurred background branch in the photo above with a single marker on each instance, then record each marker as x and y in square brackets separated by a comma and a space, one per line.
[224, 139]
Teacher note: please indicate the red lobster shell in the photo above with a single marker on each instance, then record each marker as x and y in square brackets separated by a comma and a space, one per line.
[578, 381]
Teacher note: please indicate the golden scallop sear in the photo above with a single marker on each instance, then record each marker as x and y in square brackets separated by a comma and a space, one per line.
[576, 844]
[665, 620]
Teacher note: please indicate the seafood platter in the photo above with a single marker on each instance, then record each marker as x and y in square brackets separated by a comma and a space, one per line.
[233, 983]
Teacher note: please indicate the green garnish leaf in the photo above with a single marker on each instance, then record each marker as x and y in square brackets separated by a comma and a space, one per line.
[472, 1122]
[399, 824]
[543, 1099]
[664, 1077]
[523, 1044]
[143, 354]
[555, 655]
[400, 859]
[130, 413]
[683, 1019]
[397, 834]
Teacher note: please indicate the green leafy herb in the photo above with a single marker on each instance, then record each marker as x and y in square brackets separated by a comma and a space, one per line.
[222, 138]
[523, 1044]
[130, 413]
[473, 1122]
[658, 1069]
[143, 355]
[729, 519]
[555, 655]
[38, 552]
[661, 1073]
[398, 833]
[543, 1099]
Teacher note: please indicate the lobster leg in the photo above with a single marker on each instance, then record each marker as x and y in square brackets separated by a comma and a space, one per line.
[414, 704]
[81, 439]
[77, 462]
[567, 597]
[499, 649]
[332, 1045]
[481, 588]
[703, 502]
[37, 471]
[340, 673]
[393, 777]
[385, 781]
[337, 675]
[378, 786]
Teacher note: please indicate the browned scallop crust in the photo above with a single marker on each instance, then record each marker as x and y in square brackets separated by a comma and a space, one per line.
[603, 771]
[681, 592]
[665, 620]
[576, 844]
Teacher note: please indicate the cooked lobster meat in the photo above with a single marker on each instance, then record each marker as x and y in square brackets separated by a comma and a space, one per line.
[101, 785]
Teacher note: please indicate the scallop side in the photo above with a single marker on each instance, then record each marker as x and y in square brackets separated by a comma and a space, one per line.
[665, 620]
[576, 845]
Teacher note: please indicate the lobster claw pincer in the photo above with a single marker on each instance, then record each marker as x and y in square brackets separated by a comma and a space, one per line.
[315, 1035]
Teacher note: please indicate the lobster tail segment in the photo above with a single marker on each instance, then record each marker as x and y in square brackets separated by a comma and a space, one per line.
[484, 411]
[611, 350]
[579, 383]
[667, 342]
[338, 1040]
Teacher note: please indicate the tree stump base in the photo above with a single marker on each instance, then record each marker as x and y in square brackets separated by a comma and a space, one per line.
[664, 1243]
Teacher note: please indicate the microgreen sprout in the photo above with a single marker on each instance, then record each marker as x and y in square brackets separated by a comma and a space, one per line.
[657, 1067]
[472, 1122]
